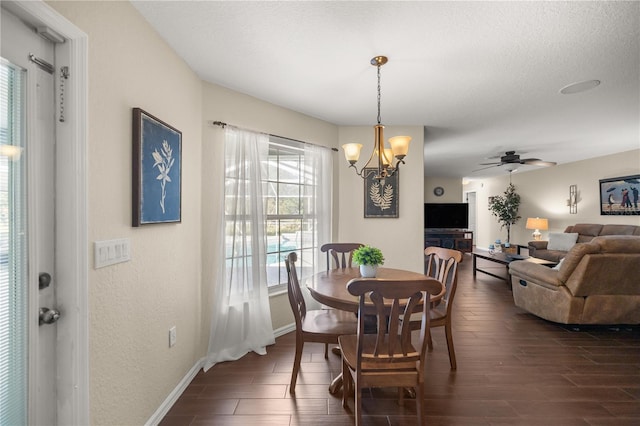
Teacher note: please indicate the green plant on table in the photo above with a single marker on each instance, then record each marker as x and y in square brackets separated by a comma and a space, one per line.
[367, 255]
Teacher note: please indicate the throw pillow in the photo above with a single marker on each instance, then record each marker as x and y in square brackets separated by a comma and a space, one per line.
[557, 267]
[561, 241]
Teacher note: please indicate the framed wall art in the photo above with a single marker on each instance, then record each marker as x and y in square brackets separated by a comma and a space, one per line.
[619, 196]
[157, 170]
[381, 197]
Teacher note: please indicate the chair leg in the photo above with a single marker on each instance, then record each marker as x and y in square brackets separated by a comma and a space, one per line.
[452, 353]
[420, 404]
[358, 402]
[326, 350]
[429, 341]
[347, 383]
[296, 364]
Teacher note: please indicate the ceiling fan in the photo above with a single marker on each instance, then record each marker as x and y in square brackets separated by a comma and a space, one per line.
[510, 157]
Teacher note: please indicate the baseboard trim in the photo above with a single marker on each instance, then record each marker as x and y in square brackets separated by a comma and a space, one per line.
[284, 330]
[171, 399]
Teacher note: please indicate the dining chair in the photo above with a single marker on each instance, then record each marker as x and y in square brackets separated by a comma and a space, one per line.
[387, 358]
[344, 249]
[442, 264]
[319, 326]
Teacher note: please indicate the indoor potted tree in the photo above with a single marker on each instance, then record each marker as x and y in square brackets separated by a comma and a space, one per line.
[368, 258]
[505, 208]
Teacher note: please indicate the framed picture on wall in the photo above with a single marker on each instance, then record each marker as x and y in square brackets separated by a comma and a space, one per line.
[157, 170]
[619, 196]
[381, 197]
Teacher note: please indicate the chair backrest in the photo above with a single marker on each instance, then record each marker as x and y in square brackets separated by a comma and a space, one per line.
[390, 301]
[296, 299]
[345, 250]
[442, 264]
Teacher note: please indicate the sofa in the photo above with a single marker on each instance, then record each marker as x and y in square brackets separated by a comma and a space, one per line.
[597, 282]
[586, 232]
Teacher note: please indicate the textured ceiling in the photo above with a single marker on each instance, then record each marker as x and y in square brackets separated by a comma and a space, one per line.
[481, 77]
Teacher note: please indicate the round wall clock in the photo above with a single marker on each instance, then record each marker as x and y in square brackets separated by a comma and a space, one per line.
[438, 191]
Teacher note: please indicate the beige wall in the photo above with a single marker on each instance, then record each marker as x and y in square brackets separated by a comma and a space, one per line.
[452, 190]
[544, 193]
[400, 239]
[132, 305]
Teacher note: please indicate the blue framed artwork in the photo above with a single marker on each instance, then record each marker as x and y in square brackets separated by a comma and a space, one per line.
[157, 170]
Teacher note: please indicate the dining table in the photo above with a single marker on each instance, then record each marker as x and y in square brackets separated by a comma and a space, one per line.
[330, 288]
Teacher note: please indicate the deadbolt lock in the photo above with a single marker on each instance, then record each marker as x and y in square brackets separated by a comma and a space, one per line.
[44, 280]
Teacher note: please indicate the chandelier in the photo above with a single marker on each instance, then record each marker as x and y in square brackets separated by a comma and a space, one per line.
[384, 162]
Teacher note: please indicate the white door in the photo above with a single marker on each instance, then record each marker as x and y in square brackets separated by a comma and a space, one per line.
[471, 199]
[31, 116]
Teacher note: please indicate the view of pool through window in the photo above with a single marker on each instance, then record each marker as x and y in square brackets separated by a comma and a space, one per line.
[289, 227]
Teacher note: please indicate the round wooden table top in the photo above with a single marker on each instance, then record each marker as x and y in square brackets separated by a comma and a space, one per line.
[330, 287]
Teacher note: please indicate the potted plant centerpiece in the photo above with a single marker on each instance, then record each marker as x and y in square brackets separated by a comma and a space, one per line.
[368, 258]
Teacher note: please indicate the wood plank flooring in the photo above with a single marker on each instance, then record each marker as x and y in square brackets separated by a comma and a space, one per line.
[513, 369]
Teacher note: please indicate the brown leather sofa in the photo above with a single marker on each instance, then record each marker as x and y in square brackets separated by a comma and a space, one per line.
[586, 232]
[598, 282]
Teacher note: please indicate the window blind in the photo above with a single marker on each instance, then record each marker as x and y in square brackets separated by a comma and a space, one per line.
[13, 250]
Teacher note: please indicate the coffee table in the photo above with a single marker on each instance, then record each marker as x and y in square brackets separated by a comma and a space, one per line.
[503, 259]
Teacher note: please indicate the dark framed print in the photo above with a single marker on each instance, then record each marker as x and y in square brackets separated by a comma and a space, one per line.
[619, 196]
[381, 196]
[157, 170]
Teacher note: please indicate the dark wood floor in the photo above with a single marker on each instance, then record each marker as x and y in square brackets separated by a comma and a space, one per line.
[513, 369]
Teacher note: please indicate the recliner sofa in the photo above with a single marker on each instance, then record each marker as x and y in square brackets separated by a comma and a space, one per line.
[586, 232]
[598, 282]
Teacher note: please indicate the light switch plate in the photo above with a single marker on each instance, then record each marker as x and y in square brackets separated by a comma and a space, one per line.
[110, 252]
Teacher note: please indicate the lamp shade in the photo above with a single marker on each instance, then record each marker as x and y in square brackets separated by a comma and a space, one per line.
[400, 145]
[352, 151]
[537, 223]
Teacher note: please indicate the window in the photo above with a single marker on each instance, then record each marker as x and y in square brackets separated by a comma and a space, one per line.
[290, 222]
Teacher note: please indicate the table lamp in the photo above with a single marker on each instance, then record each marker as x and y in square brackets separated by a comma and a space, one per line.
[537, 224]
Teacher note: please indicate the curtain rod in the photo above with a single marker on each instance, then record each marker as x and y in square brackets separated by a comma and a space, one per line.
[223, 125]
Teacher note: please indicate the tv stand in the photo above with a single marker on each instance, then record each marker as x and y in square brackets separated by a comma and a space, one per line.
[457, 239]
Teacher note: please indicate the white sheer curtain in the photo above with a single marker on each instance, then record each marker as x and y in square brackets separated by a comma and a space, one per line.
[241, 317]
[318, 167]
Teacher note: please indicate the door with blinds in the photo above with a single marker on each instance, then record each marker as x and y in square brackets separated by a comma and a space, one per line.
[28, 315]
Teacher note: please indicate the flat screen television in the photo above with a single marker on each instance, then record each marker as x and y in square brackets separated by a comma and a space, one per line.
[446, 215]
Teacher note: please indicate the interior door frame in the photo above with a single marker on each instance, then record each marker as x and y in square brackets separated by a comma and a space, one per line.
[71, 213]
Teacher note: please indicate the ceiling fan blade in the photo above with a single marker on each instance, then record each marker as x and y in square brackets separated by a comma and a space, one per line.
[538, 162]
[490, 164]
[484, 168]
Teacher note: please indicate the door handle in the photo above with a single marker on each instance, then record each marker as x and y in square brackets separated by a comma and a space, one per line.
[48, 316]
